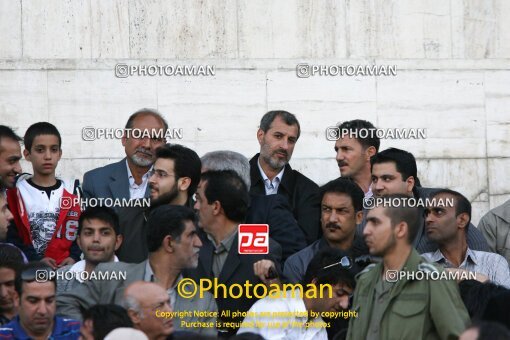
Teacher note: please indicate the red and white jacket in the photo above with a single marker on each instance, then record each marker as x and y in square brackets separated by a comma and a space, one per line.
[63, 231]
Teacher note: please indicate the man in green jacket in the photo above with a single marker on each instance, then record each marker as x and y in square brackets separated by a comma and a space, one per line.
[402, 297]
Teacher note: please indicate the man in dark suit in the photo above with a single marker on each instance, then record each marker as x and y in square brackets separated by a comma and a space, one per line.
[271, 173]
[173, 246]
[222, 201]
[129, 178]
[272, 210]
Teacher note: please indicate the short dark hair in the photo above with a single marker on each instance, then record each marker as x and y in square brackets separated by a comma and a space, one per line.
[462, 204]
[227, 187]
[186, 163]
[102, 213]
[167, 220]
[11, 257]
[31, 272]
[145, 112]
[40, 128]
[406, 212]
[476, 296]
[355, 126]
[497, 308]
[405, 163]
[346, 186]
[492, 330]
[333, 275]
[7, 132]
[287, 117]
[106, 318]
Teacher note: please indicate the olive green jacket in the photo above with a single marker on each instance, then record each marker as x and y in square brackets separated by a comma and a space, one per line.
[495, 227]
[418, 309]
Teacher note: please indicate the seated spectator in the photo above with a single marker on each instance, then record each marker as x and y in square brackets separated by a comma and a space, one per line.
[99, 320]
[486, 330]
[129, 177]
[390, 307]
[341, 211]
[222, 202]
[142, 301]
[273, 210]
[98, 238]
[173, 245]
[36, 318]
[495, 227]
[330, 267]
[10, 263]
[447, 226]
[173, 180]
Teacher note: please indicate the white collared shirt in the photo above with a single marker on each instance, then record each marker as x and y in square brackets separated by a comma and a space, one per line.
[135, 190]
[270, 186]
[292, 325]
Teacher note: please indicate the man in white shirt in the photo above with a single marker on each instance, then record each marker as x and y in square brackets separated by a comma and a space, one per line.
[300, 316]
[98, 238]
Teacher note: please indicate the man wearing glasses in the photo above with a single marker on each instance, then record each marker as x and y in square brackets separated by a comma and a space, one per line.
[129, 177]
[399, 297]
[37, 308]
[173, 180]
[302, 315]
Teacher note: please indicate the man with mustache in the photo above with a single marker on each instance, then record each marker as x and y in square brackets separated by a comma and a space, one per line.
[173, 180]
[98, 238]
[129, 178]
[271, 173]
[10, 154]
[173, 246]
[341, 211]
[354, 147]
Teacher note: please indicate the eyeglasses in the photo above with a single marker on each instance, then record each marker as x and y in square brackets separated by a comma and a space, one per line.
[345, 262]
[159, 173]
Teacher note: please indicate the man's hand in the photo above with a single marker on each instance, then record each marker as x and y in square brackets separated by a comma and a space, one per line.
[266, 271]
[50, 262]
[67, 261]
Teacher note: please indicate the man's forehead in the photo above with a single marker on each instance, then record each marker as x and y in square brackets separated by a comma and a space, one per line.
[337, 198]
[279, 124]
[40, 290]
[347, 141]
[164, 164]
[441, 201]
[385, 168]
[96, 223]
[10, 146]
[146, 120]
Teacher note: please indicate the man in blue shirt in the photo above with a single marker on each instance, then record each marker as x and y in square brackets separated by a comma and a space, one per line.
[36, 289]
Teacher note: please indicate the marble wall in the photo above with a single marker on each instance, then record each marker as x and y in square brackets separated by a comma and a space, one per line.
[57, 61]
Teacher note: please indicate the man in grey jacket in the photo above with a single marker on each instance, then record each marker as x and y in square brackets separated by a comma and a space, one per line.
[495, 227]
[173, 246]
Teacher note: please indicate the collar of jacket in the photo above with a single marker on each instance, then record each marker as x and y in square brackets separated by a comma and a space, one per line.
[256, 178]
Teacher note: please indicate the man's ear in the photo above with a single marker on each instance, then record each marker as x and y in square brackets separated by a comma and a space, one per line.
[401, 230]
[134, 316]
[359, 217]
[118, 241]
[462, 220]
[370, 151]
[183, 183]
[26, 154]
[167, 243]
[410, 183]
[260, 135]
[217, 208]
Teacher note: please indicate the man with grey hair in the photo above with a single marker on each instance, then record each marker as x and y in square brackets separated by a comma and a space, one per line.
[144, 133]
[271, 173]
[272, 210]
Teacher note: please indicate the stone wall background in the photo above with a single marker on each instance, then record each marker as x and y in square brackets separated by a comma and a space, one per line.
[57, 62]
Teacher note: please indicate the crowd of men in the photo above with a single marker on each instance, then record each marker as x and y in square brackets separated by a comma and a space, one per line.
[396, 271]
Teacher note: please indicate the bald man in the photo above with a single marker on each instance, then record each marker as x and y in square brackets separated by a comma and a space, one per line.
[144, 301]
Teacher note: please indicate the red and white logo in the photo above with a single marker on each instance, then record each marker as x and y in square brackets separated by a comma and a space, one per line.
[253, 238]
